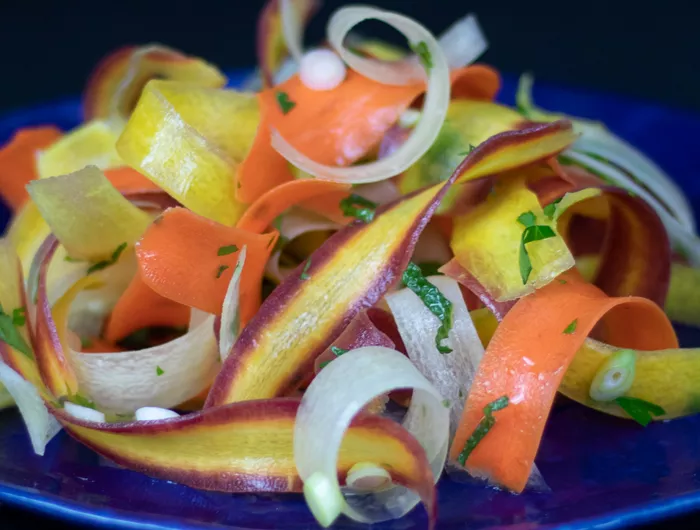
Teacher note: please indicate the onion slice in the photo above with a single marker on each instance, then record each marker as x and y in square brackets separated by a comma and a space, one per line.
[292, 29]
[339, 393]
[451, 373]
[400, 73]
[463, 42]
[230, 314]
[41, 425]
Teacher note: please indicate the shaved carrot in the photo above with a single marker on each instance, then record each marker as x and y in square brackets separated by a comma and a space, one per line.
[141, 307]
[475, 82]
[127, 179]
[526, 361]
[328, 205]
[190, 259]
[333, 127]
[264, 211]
[18, 162]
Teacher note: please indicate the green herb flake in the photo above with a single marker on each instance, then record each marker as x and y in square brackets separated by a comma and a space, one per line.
[85, 342]
[73, 260]
[571, 327]
[338, 351]
[226, 250]
[221, 270]
[446, 403]
[284, 102]
[159, 371]
[433, 299]
[323, 365]
[359, 207]
[423, 53]
[639, 410]
[551, 208]
[19, 316]
[563, 282]
[527, 219]
[531, 233]
[485, 425]
[467, 152]
[11, 336]
[304, 273]
[100, 265]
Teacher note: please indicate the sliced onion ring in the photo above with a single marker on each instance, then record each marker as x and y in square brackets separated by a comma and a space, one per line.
[452, 373]
[463, 42]
[292, 29]
[400, 73]
[41, 425]
[337, 394]
[230, 313]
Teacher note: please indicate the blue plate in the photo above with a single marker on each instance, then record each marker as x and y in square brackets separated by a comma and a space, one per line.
[603, 472]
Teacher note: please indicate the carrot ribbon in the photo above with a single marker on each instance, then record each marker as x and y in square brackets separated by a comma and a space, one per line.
[526, 361]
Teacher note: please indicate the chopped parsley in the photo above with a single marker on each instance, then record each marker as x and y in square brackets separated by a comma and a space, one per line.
[551, 208]
[323, 365]
[11, 336]
[563, 282]
[423, 53]
[221, 270]
[304, 273]
[73, 260]
[284, 102]
[338, 351]
[467, 152]
[483, 428]
[226, 250]
[433, 299]
[571, 327]
[532, 232]
[446, 403]
[85, 342]
[639, 410]
[159, 371]
[19, 316]
[359, 207]
[100, 265]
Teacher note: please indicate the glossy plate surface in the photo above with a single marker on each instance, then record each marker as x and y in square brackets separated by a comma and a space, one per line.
[603, 472]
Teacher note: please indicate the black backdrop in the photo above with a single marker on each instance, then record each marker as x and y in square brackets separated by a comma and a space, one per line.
[649, 50]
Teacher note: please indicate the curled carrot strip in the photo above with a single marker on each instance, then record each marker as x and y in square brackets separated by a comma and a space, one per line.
[477, 81]
[141, 307]
[18, 162]
[334, 127]
[263, 212]
[526, 361]
[190, 259]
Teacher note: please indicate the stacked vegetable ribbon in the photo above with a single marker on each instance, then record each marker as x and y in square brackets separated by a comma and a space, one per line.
[242, 291]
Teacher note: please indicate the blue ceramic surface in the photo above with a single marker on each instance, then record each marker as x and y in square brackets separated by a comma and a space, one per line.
[603, 472]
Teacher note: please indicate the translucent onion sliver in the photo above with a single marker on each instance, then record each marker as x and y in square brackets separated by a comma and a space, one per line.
[337, 394]
[451, 374]
[41, 425]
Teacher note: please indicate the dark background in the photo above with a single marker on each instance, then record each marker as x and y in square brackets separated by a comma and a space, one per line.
[652, 52]
[649, 50]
